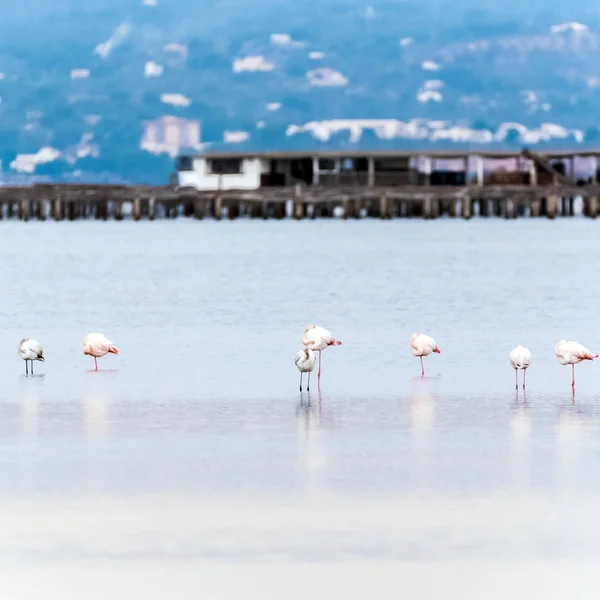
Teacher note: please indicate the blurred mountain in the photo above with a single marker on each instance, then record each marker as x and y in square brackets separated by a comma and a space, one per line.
[112, 90]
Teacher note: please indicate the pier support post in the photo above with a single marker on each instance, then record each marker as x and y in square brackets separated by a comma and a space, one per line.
[279, 210]
[199, 208]
[592, 207]
[551, 206]
[102, 209]
[136, 210]
[467, 206]
[384, 208]
[118, 210]
[428, 208]
[299, 209]
[24, 209]
[256, 209]
[151, 208]
[218, 208]
[58, 209]
[233, 210]
[510, 208]
[535, 205]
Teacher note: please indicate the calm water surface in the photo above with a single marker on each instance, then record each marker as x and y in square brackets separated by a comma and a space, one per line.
[194, 444]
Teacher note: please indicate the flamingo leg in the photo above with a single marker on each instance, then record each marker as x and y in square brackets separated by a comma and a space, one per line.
[516, 379]
[524, 376]
[319, 373]
[32, 367]
[300, 380]
[308, 386]
[422, 367]
[573, 378]
[26, 367]
[95, 364]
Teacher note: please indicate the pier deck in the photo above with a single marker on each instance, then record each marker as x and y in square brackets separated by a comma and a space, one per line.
[73, 202]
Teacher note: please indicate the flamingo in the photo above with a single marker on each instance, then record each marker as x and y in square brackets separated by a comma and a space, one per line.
[317, 339]
[423, 345]
[572, 353]
[30, 350]
[305, 361]
[97, 345]
[520, 357]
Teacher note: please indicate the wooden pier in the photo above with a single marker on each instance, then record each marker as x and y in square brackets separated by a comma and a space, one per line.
[543, 190]
[74, 202]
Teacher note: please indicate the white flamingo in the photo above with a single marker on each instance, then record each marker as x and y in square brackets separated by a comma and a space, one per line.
[520, 358]
[423, 345]
[572, 353]
[98, 345]
[305, 361]
[30, 350]
[317, 339]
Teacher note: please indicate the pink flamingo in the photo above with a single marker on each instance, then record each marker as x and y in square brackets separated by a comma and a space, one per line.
[423, 345]
[317, 339]
[572, 353]
[520, 359]
[97, 345]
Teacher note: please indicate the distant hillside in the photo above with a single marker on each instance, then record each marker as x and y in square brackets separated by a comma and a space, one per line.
[113, 90]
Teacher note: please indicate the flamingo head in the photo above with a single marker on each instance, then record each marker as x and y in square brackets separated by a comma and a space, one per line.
[335, 343]
[113, 350]
[437, 350]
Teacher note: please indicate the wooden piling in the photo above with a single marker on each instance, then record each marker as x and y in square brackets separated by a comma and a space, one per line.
[233, 210]
[551, 206]
[592, 204]
[24, 209]
[136, 209]
[218, 208]
[467, 206]
[199, 208]
[279, 210]
[510, 209]
[384, 208]
[58, 210]
[428, 208]
[299, 209]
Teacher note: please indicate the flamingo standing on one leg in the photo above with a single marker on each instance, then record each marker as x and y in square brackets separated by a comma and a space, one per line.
[30, 350]
[317, 339]
[97, 345]
[423, 345]
[520, 357]
[305, 361]
[572, 353]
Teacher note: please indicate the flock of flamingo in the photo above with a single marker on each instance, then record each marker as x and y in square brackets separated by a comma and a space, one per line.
[316, 339]
[95, 345]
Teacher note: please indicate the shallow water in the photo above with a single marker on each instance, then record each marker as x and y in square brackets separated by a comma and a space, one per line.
[194, 444]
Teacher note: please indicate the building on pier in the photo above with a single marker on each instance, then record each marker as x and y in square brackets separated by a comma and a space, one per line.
[252, 171]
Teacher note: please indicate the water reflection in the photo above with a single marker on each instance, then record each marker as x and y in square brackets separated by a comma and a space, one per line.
[424, 394]
[96, 404]
[30, 401]
[520, 427]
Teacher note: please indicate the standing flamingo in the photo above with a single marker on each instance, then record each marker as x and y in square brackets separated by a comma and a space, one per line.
[520, 357]
[30, 350]
[305, 361]
[317, 339]
[572, 353]
[97, 345]
[423, 345]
